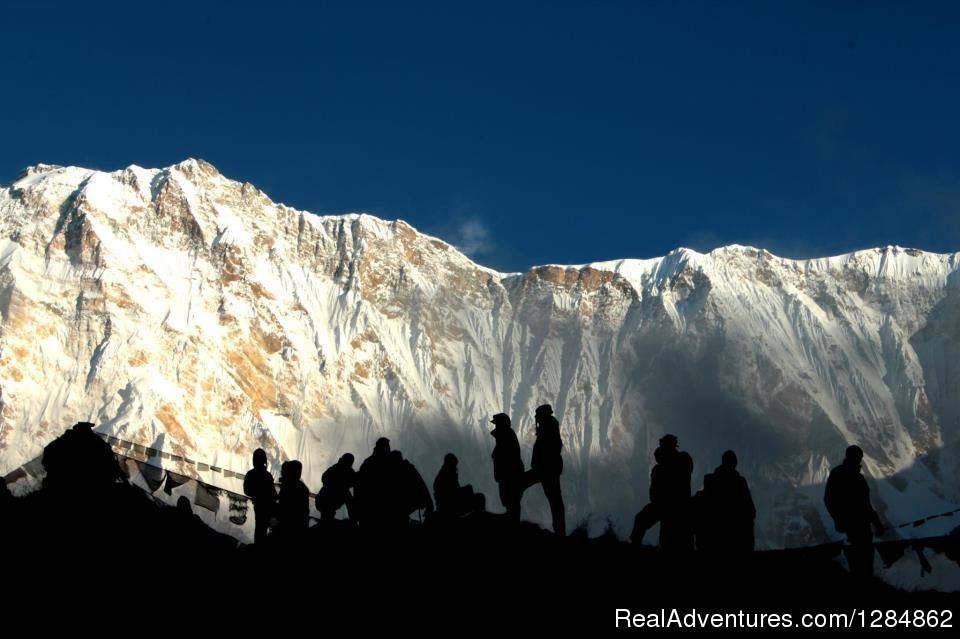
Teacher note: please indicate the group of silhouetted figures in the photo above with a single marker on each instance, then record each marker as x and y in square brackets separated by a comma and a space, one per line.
[720, 518]
[387, 489]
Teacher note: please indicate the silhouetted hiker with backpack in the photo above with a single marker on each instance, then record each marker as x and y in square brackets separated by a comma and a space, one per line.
[293, 501]
[452, 499]
[546, 465]
[847, 498]
[372, 492]
[727, 511]
[258, 486]
[338, 481]
[508, 467]
[409, 491]
[79, 461]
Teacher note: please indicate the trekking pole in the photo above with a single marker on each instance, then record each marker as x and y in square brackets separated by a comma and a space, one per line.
[919, 522]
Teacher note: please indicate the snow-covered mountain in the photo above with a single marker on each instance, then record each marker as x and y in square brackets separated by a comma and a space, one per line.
[186, 311]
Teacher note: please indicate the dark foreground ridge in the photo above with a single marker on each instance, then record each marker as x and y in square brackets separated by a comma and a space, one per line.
[91, 542]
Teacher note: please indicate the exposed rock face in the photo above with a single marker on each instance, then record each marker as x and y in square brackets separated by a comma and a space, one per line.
[182, 310]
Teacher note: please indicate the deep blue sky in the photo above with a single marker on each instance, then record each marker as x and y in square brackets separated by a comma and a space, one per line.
[547, 132]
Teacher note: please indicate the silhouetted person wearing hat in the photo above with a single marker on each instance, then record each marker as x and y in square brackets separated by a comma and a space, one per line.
[452, 499]
[293, 501]
[847, 498]
[546, 465]
[672, 495]
[508, 467]
[728, 511]
[258, 486]
[338, 482]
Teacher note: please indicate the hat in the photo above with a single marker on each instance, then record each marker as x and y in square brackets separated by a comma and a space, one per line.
[544, 409]
[501, 418]
[669, 441]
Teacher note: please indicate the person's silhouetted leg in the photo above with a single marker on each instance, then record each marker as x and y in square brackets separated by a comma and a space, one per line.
[551, 489]
[644, 521]
[261, 526]
[510, 498]
[860, 553]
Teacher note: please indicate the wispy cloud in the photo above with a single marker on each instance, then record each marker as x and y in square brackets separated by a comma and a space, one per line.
[471, 237]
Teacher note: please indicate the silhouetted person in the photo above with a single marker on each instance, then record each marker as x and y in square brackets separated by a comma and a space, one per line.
[847, 498]
[80, 461]
[185, 509]
[372, 493]
[669, 498]
[338, 482]
[452, 499]
[293, 501]
[726, 511]
[546, 465]
[650, 514]
[258, 486]
[409, 491]
[671, 493]
[508, 467]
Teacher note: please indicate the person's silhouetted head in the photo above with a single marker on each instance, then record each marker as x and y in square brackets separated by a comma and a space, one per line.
[290, 471]
[729, 459]
[450, 460]
[543, 411]
[184, 506]
[396, 455]
[83, 427]
[854, 456]
[501, 420]
[346, 460]
[259, 458]
[382, 446]
[669, 441]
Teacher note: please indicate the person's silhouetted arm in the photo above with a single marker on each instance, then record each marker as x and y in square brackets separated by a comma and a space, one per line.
[831, 502]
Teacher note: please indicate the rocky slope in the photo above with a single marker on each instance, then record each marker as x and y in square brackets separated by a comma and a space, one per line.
[186, 311]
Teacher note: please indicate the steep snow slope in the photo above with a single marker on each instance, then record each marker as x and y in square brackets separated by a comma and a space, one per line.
[188, 312]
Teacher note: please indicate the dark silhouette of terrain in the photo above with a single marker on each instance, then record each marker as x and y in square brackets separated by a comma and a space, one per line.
[104, 549]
